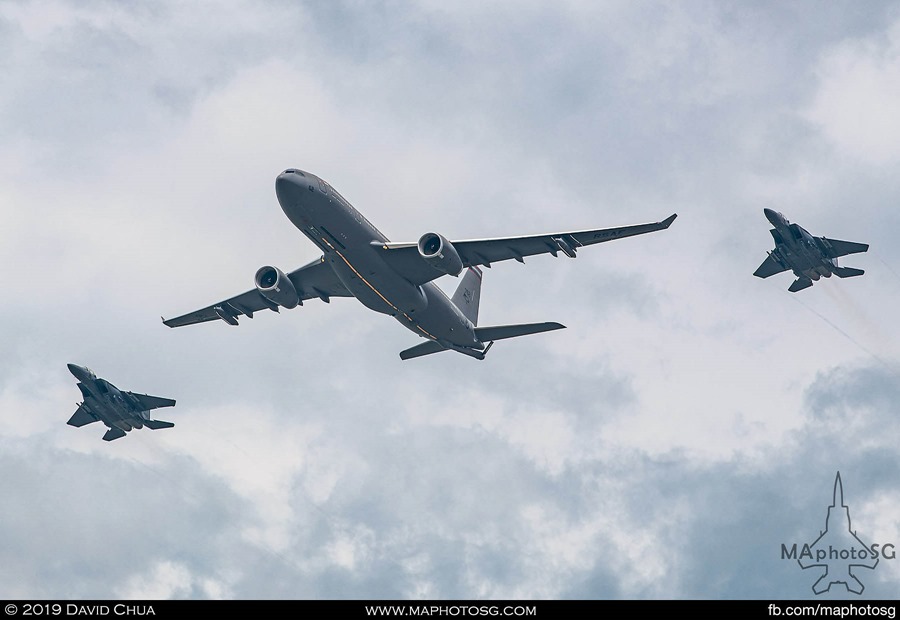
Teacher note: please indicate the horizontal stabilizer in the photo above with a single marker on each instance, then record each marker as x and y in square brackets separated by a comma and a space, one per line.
[501, 332]
[847, 272]
[113, 433]
[81, 417]
[152, 402]
[800, 284]
[426, 348]
[158, 424]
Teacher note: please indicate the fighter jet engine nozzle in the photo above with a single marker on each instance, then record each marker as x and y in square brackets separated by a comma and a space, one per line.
[276, 287]
[440, 254]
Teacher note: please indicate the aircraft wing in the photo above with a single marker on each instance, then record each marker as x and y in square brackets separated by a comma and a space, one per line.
[769, 267]
[836, 247]
[81, 417]
[405, 259]
[316, 279]
[152, 402]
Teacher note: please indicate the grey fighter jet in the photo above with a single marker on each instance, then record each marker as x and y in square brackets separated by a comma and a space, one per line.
[121, 411]
[394, 278]
[808, 257]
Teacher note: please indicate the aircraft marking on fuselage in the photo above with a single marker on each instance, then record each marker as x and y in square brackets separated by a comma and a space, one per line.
[376, 291]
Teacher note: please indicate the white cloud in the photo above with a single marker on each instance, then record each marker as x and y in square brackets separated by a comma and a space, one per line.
[858, 95]
[170, 580]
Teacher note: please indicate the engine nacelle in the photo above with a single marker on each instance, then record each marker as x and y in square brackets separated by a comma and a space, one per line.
[276, 287]
[440, 254]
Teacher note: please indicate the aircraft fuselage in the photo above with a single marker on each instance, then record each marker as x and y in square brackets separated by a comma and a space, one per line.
[352, 246]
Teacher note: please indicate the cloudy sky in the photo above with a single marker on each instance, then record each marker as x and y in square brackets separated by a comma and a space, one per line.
[690, 420]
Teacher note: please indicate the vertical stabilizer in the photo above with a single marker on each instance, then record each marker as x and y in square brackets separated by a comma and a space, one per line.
[468, 294]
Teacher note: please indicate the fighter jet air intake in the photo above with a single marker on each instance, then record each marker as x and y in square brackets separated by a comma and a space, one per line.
[119, 410]
[808, 257]
[395, 278]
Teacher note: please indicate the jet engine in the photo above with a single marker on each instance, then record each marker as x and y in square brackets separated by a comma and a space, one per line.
[440, 254]
[276, 287]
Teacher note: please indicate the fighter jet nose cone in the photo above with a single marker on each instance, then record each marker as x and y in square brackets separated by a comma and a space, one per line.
[79, 372]
[774, 216]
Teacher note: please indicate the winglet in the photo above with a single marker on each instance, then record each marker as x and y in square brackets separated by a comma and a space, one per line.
[668, 221]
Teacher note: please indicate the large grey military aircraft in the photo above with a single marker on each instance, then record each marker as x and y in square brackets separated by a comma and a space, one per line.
[121, 411]
[808, 257]
[394, 278]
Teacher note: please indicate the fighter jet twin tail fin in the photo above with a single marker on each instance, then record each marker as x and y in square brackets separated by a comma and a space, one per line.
[466, 298]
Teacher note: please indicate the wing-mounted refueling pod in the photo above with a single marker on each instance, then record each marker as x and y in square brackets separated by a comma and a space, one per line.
[568, 244]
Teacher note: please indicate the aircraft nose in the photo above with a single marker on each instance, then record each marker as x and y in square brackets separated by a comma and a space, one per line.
[80, 373]
[289, 186]
[773, 216]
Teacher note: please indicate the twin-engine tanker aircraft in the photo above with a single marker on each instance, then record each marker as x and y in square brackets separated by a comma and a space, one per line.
[395, 278]
[119, 410]
[808, 257]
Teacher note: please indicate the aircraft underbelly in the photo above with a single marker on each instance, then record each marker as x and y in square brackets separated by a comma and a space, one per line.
[441, 320]
[113, 415]
[101, 409]
[375, 285]
[424, 310]
[122, 421]
[807, 262]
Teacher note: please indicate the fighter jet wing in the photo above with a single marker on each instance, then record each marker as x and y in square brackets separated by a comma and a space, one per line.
[81, 417]
[316, 279]
[152, 402]
[835, 247]
[405, 259]
[769, 267]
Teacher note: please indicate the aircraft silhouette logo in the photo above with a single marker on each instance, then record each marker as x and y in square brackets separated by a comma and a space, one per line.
[838, 551]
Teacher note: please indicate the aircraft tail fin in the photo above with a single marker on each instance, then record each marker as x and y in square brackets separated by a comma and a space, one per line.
[113, 433]
[501, 332]
[426, 348]
[158, 424]
[468, 294]
[847, 272]
[800, 284]
[81, 417]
